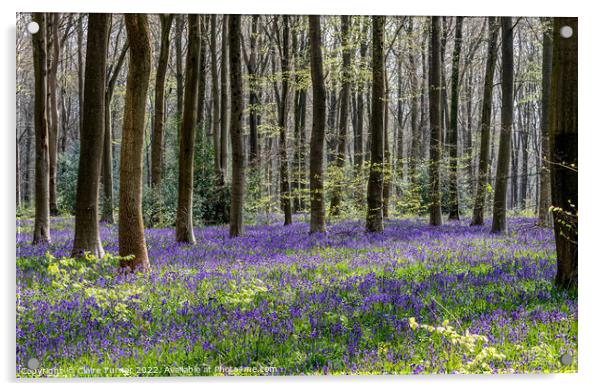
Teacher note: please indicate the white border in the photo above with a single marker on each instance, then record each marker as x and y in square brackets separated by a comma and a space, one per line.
[590, 326]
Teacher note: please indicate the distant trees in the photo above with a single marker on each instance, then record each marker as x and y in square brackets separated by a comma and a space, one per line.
[41, 230]
[563, 149]
[87, 236]
[316, 157]
[374, 214]
[184, 226]
[131, 225]
[236, 111]
[501, 179]
[435, 122]
[483, 169]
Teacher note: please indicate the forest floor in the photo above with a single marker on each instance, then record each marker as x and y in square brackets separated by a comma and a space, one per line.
[415, 299]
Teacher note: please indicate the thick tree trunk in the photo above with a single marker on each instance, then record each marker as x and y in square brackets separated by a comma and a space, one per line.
[87, 235]
[343, 114]
[563, 149]
[316, 159]
[435, 123]
[131, 224]
[544, 175]
[501, 179]
[236, 112]
[374, 215]
[484, 156]
[41, 230]
[454, 208]
[184, 227]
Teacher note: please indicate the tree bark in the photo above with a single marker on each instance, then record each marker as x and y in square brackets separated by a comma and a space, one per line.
[454, 208]
[179, 68]
[435, 122]
[285, 188]
[107, 155]
[41, 230]
[236, 111]
[343, 114]
[484, 156]
[87, 235]
[159, 112]
[316, 160]
[374, 215]
[53, 113]
[501, 179]
[131, 224]
[184, 227]
[544, 175]
[223, 155]
[563, 150]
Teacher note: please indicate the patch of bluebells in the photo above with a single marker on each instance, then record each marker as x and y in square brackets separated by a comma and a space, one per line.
[333, 303]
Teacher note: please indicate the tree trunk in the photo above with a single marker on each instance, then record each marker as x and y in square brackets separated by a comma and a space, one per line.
[285, 189]
[253, 98]
[223, 155]
[53, 113]
[80, 69]
[107, 155]
[159, 115]
[435, 122]
[501, 179]
[343, 114]
[236, 112]
[179, 68]
[484, 156]
[563, 149]
[316, 159]
[374, 215]
[544, 175]
[184, 227]
[131, 224]
[454, 209]
[414, 119]
[41, 230]
[87, 235]
[215, 126]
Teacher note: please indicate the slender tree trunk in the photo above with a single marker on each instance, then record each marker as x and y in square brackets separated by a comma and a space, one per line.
[87, 235]
[131, 224]
[484, 156]
[41, 230]
[236, 112]
[80, 69]
[544, 175]
[179, 68]
[316, 160]
[285, 189]
[223, 155]
[184, 227]
[107, 155]
[501, 180]
[53, 114]
[343, 114]
[18, 173]
[374, 215]
[435, 122]
[253, 98]
[414, 118]
[454, 209]
[159, 116]
[563, 149]
[216, 102]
